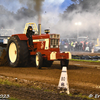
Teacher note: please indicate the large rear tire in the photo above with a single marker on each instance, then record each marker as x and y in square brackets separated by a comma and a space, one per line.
[38, 60]
[17, 52]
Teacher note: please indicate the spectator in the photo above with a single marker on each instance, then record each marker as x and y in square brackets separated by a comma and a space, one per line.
[72, 43]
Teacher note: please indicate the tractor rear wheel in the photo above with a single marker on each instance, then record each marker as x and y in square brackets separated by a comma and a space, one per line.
[38, 60]
[17, 52]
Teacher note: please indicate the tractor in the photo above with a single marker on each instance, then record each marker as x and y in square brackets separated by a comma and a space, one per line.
[47, 50]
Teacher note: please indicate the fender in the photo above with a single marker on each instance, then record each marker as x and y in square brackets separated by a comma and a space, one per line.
[21, 36]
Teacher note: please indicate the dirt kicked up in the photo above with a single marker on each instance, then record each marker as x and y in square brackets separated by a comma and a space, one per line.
[83, 79]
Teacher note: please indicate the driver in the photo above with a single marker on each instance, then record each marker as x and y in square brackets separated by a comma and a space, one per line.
[29, 35]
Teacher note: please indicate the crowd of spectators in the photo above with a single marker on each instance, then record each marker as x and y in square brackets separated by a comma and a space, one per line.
[81, 46]
[76, 45]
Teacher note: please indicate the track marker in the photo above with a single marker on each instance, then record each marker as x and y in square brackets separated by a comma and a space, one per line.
[63, 82]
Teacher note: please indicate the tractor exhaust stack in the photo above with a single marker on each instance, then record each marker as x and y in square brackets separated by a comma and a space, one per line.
[39, 29]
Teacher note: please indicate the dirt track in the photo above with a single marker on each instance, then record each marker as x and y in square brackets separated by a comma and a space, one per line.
[81, 75]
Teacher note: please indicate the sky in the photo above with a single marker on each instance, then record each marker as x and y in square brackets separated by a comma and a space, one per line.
[65, 3]
[49, 7]
[14, 5]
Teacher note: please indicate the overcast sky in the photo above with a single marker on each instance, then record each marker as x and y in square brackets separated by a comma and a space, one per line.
[50, 17]
[48, 5]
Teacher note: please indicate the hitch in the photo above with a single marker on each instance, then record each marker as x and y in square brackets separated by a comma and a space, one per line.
[64, 62]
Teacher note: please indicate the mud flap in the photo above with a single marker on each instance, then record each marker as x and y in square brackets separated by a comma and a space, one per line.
[64, 62]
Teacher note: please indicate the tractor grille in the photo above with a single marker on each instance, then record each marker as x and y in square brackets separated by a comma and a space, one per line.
[54, 43]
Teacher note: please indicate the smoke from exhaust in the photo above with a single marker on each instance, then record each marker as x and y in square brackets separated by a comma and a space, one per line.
[35, 5]
[64, 24]
[27, 11]
[38, 7]
[87, 12]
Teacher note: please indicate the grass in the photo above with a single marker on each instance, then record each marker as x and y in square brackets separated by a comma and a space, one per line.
[6, 82]
[81, 96]
[37, 88]
[62, 94]
[12, 98]
[48, 90]
[84, 60]
[3, 82]
[70, 95]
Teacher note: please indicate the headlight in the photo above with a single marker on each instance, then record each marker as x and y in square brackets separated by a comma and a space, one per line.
[56, 46]
[51, 46]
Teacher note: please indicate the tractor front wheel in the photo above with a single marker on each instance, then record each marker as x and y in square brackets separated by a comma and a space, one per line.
[38, 60]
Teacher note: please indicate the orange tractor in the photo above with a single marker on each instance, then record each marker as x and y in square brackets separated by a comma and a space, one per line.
[47, 49]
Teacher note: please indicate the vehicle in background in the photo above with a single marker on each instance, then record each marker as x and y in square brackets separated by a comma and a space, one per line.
[97, 45]
[96, 48]
[4, 36]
